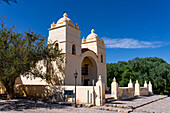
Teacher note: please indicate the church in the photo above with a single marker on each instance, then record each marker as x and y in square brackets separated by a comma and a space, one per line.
[87, 57]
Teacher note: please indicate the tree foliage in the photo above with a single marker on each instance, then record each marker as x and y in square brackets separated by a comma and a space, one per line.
[151, 69]
[19, 55]
[7, 1]
[54, 64]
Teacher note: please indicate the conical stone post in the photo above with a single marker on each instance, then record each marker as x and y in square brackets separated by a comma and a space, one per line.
[150, 88]
[114, 89]
[130, 84]
[145, 84]
[100, 90]
[137, 88]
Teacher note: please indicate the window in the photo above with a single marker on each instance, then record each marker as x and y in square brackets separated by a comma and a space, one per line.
[74, 50]
[102, 58]
[56, 46]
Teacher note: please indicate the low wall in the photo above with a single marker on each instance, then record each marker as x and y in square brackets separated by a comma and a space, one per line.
[84, 94]
[120, 93]
[125, 93]
[143, 91]
[55, 92]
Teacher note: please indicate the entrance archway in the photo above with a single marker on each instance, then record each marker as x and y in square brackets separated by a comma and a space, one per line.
[88, 71]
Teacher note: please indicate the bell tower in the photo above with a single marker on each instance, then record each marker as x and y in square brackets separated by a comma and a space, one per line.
[66, 35]
[94, 43]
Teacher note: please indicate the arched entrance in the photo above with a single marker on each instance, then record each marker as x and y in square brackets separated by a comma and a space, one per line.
[88, 71]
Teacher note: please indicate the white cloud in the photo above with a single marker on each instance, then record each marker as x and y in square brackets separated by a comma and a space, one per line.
[130, 43]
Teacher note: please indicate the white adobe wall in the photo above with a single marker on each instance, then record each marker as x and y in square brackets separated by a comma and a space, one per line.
[90, 45]
[103, 72]
[72, 65]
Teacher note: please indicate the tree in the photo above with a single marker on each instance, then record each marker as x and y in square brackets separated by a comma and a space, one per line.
[54, 63]
[7, 1]
[19, 55]
[151, 69]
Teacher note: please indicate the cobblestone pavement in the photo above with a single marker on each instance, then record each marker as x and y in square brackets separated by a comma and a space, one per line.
[162, 106]
[143, 104]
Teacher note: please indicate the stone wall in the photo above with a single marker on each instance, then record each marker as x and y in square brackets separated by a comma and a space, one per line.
[125, 93]
[143, 91]
[140, 91]
[120, 93]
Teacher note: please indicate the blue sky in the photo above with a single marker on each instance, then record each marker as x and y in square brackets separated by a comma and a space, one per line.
[130, 28]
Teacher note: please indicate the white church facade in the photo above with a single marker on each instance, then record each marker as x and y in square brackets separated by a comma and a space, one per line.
[86, 56]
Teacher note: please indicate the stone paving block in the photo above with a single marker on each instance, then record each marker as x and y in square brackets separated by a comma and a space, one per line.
[162, 106]
[136, 102]
[114, 109]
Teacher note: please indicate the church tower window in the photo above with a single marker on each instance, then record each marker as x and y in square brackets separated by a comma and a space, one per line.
[102, 58]
[74, 49]
[56, 46]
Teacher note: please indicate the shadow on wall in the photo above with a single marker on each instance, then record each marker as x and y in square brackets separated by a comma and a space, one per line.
[41, 91]
[84, 94]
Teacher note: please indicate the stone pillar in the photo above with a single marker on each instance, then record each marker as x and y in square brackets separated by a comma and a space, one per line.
[114, 89]
[93, 98]
[90, 98]
[150, 88]
[137, 88]
[130, 84]
[145, 84]
[100, 92]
